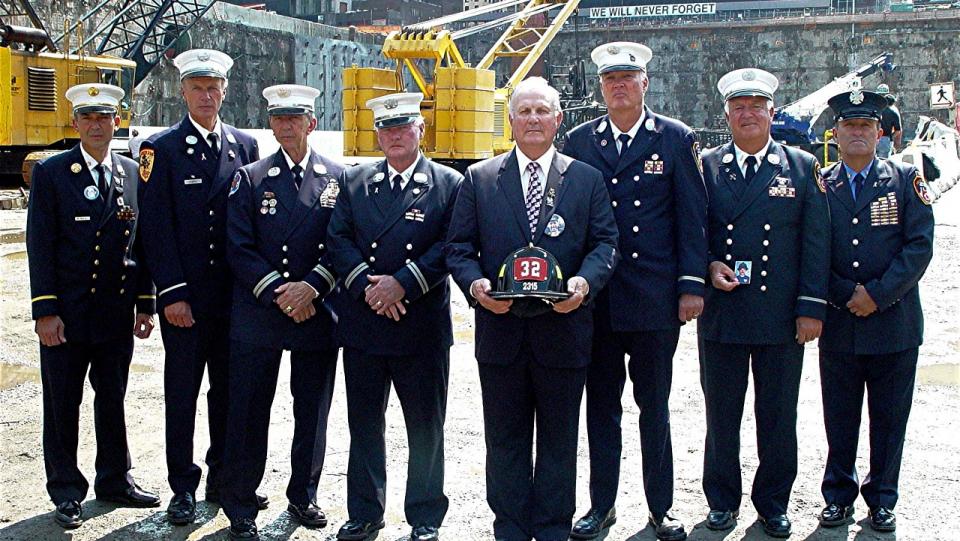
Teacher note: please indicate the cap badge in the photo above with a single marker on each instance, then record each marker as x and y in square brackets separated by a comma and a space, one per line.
[283, 93]
[613, 49]
[93, 91]
[203, 57]
[633, 58]
[749, 75]
[391, 103]
[856, 97]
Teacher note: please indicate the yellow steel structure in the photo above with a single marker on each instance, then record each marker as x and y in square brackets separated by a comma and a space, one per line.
[465, 113]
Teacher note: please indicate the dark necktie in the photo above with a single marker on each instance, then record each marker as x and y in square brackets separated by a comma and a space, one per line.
[102, 180]
[395, 186]
[297, 175]
[751, 169]
[213, 140]
[857, 185]
[534, 196]
[624, 142]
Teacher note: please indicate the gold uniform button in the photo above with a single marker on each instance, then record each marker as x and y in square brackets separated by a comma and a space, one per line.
[98, 233]
[96, 248]
[122, 291]
[126, 233]
[96, 262]
[93, 290]
[94, 276]
[211, 246]
[123, 277]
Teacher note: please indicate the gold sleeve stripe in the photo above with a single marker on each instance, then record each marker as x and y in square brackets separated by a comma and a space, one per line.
[44, 298]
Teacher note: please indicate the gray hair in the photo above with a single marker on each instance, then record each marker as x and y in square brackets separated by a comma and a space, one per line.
[726, 105]
[539, 86]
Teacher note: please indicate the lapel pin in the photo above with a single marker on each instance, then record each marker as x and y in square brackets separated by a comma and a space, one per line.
[420, 178]
[191, 140]
[203, 156]
[649, 124]
[416, 191]
[773, 158]
[603, 143]
[76, 168]
[190, 151]
[231, 154]
[655, 157]
[231, 138]
[727, 158]
[319, 169]
[273, 171]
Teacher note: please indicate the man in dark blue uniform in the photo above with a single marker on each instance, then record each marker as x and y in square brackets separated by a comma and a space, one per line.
[386, 238]
[87, 281]
[277, 216]
[533, 369]
[882, 226]
[186, 172]
[767, 209]
[651, 165]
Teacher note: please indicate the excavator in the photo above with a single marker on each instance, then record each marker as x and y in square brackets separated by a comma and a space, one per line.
[36, 68]
[465, 111]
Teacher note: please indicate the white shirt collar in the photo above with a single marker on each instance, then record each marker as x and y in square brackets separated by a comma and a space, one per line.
[632, 132]
[407, 173]
[742, 156]
[217, 129]
[92, 163]
[545, 161]
[303, 163]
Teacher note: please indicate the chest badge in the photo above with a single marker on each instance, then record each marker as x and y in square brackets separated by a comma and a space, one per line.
[76, 168]
[653, 166]
[782, 188]
[273, 171]
[91, 193]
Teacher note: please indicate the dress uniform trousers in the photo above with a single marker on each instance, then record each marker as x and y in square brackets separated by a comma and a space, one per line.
[253, 380]
[420, 381]
[63, 369]
[189, 351]
[888, 379]
[724, 369]
[651, 371]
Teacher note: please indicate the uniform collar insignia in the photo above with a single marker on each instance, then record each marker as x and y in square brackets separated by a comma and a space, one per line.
[231, 138]
[602, 127]
[319, 169]
[273, 171]
[420, 178]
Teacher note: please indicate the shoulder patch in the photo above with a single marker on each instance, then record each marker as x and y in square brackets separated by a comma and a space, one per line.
[821, 183]
[146, 163]
[235, 185]
[923, 191]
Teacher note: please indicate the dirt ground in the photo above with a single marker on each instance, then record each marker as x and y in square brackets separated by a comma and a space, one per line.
[929, 479]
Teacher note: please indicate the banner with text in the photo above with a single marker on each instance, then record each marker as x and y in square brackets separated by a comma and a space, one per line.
[658, 10]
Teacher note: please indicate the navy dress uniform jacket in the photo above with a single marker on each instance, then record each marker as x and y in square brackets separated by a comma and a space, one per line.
[267, 249]
[371, 234]
[490, 221]
[781, 224]
[184, 213]
[884, 241]
[85, 261]
[660, 206]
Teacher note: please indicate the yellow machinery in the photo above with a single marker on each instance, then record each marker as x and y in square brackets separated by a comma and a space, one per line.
[466, 114]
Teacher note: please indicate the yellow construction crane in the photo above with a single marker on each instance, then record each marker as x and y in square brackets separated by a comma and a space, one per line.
[465, 112]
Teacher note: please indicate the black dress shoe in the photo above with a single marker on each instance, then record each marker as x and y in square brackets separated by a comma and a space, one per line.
[425, 533]
[776, 526]
[358, 530]
[245, 528]
[718, 520]
[69, 514]
[883, 519]
[668, 527]
[182, 509]
[595, 521]
[134, 496]
[834, 515]
[308, 514]
[212, 495]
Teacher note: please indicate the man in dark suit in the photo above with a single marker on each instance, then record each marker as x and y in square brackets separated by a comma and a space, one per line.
[766, 208]
[277, 215]
[386, 238]
[186, 172]
[882, 226]
[532, 370]
[87, 281]
[651, 166]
